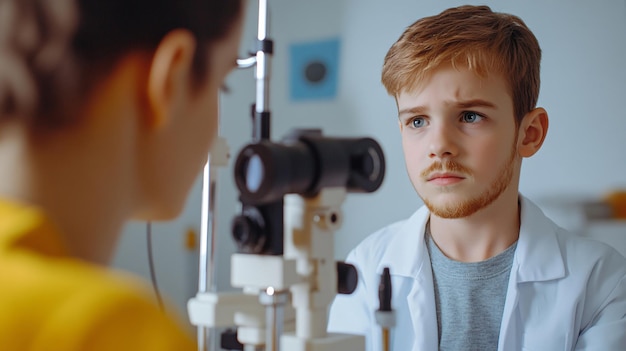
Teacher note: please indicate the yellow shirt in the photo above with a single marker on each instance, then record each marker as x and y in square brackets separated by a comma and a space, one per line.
[51, 301]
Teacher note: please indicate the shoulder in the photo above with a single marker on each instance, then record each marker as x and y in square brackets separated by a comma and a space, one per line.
[380, 241]
[113, 308]
[585, 254]
[399, 246]
[595, 284]
[122, 307]
[580, 243]
[544, 242]
[591, 269]
[117, 305]
[50, 298]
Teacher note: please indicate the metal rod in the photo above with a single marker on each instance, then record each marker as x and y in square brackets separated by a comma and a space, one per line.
[207, 239]
[274, 302]
[273, 334]
[206, 261]
[263, 62]
[206, 276]
[263, 21]
[206, 280]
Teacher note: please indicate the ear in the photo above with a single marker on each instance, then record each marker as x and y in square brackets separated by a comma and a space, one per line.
[533, 131]
[169, 76]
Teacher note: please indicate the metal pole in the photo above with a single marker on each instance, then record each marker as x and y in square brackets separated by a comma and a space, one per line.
[274, 302]
[263, 61]
[261, 129]
[206, 276]
[206, 280]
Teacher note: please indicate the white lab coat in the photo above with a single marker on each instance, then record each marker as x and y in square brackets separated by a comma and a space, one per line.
[565, 292]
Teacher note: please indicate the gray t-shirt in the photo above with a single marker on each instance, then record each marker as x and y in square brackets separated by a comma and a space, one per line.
[469, 298]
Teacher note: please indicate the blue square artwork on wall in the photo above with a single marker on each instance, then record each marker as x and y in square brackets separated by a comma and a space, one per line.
[314, 70]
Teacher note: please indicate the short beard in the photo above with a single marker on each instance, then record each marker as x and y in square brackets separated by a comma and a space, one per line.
[469, 207]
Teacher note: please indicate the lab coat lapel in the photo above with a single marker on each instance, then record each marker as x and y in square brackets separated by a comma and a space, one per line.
[509, 327]
[421, 302]
[537, 258]
[409, 259]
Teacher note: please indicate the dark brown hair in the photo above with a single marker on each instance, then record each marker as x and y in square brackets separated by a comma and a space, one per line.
[55, 51]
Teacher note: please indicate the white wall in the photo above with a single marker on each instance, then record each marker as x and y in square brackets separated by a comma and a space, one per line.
[583, 90]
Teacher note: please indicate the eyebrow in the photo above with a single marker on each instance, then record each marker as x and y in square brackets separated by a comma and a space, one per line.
[475, 103]
[458, 104]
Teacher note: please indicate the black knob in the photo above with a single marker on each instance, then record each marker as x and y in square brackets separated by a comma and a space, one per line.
[384, 291]
[347, 278]
[248, 233]
[228, 340]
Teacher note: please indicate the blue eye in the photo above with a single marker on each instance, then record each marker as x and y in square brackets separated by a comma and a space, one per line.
[471, 117]
[417, 122]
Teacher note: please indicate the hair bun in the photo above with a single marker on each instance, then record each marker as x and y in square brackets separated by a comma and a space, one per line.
[34, 46]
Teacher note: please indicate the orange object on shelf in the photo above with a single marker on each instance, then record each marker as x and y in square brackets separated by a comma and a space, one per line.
[190, 239]
[617, 201]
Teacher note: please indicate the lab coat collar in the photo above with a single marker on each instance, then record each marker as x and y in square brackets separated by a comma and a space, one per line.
[406, 253]
[537, 256]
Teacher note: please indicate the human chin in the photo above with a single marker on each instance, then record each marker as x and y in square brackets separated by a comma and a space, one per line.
[449, 206]
[453, 208]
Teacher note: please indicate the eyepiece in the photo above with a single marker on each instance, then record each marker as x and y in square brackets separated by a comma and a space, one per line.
[305, 163]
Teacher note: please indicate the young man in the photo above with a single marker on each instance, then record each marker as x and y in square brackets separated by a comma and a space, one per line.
[107, 112]
[479, 267]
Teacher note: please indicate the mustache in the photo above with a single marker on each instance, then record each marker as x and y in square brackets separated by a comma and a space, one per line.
[447, 166]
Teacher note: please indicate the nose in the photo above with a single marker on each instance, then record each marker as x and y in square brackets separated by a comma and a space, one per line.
[443, 142]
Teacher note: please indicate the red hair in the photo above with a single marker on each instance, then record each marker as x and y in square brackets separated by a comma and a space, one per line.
[473, 37]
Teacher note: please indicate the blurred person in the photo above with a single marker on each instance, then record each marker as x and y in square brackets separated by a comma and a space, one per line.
[479, 266]
[107, 112]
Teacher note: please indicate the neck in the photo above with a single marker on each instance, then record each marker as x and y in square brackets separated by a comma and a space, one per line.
[482, 235]
[81, 193]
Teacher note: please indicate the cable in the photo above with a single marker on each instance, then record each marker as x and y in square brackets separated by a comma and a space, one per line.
[155, 286]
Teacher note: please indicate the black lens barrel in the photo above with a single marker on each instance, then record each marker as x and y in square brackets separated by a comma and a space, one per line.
[306, 163]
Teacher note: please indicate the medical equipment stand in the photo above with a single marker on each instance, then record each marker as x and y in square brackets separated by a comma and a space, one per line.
[304, 276]
[307, 272]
